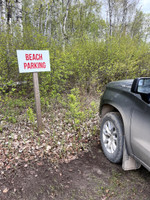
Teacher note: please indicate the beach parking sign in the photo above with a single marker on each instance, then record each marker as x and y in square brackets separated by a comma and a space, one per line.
[33, 61]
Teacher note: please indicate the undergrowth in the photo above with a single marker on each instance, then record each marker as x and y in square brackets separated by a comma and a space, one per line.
[69, 124]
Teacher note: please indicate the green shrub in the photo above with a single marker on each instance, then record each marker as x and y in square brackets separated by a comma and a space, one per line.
[31, 115]
[74, 105]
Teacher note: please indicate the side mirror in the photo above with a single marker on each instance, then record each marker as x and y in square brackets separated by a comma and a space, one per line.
[141, 86]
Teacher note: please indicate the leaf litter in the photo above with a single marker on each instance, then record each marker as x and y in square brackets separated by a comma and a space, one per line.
[61, 140]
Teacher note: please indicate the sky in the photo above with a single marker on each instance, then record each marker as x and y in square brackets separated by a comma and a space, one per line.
[145, 5]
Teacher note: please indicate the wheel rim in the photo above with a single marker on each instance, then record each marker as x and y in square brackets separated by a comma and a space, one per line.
[109, 136]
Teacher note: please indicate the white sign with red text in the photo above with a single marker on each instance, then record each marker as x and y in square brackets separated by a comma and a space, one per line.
[33, 61]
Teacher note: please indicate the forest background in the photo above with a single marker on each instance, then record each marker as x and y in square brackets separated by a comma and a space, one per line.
[88, 48]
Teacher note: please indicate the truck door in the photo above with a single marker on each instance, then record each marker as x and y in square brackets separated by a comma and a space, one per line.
[140, 131]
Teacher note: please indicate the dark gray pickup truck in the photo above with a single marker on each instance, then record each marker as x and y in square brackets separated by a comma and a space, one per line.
[125, 125]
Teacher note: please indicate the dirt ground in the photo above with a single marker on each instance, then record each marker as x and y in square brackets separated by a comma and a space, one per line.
[90, 177]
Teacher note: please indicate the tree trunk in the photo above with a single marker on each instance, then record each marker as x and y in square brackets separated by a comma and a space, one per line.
[46, 20]
[64, 23]
[110, 11]
[19, 14]
[3, 14]
[65, 18]
[125, 3]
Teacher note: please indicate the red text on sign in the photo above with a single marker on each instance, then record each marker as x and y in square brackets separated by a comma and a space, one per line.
[33, 57]
[36, 65]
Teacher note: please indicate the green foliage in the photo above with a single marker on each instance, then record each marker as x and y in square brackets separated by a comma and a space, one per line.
[92, 109]
[1, 129]
[12, 118]
[31, 115]
[85, 56]
[85, 63]
[75, 112]
[11, 107]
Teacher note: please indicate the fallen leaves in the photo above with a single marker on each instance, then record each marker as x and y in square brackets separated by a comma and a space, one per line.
[5, 190]
[59, 140]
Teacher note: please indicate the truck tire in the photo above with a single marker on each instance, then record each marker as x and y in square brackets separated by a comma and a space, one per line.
[112, 137]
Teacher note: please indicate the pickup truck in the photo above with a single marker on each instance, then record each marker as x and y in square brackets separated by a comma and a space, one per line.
[125, 123]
